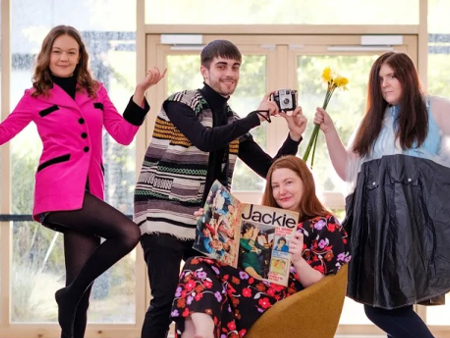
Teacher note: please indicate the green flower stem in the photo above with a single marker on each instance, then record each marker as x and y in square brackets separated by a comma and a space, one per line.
[314, 150]
[311, 142]
[314, 135]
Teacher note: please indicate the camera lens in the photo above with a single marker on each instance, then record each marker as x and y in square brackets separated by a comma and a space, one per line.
[286, 101]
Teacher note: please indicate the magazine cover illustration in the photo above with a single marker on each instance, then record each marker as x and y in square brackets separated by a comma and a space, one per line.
[252, 237]
[218, 230]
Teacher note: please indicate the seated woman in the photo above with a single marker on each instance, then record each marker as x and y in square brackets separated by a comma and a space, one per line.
[217, 300]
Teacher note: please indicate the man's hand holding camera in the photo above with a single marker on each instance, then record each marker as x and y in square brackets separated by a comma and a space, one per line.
[286, 100]
[267, 108]
[278, 103]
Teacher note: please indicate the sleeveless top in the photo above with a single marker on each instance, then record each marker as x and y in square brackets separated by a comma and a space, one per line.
[384, 142]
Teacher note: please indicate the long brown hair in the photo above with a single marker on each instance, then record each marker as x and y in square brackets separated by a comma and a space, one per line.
[412, 119]
[42, 81]
[310, 206]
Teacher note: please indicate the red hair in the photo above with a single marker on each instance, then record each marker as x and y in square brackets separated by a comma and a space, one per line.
[310, 206]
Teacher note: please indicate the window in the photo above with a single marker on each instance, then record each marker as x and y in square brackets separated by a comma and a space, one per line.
[309, 12]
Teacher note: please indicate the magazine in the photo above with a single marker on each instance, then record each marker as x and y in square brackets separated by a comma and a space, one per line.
[252, 237]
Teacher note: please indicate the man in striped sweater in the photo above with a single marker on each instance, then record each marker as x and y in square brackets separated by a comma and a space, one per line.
[197, 139]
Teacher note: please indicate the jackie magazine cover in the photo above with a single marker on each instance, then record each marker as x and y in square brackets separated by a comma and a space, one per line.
[252, 237]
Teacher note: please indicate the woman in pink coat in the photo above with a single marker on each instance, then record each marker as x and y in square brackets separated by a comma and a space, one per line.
[70, 110]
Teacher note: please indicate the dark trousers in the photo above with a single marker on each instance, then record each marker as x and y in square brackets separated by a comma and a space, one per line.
[398, 323]
[163, 254]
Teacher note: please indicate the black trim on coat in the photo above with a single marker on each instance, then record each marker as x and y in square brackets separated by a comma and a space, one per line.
[55, 160]
[98, 105]
[135, 114]
[47, 111]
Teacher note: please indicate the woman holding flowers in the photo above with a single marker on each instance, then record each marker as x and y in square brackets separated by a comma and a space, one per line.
[217, 300]
[397, 166]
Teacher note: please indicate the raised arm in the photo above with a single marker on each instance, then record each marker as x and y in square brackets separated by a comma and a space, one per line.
[124, 127]
[211, 139]
[153, 77]
[204, 138]
[336, 149]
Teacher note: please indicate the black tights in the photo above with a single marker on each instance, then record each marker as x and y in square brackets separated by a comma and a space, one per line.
[86, 258]
[398, 323]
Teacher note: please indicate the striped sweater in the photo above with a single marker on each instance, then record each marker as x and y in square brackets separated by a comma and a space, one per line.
[172, 180]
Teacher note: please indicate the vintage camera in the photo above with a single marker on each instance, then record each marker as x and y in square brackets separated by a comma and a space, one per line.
[286, 99]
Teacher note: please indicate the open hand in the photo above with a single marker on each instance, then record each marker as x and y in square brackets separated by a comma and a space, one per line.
[153, 77]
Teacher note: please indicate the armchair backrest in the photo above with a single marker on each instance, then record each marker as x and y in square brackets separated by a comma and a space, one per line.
[310, 313]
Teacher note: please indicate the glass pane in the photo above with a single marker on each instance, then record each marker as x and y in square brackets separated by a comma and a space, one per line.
[329, 12]
[248, 95]
[439, 65]
[345, 108]
[437, 16]
[438, 71]
[353, 314]
[438, 48]
[118, 75]
[183, 73]
[439, 315]
[108, 29]
[37, 271]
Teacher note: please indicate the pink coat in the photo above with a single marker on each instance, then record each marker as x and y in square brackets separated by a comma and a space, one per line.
[71, 133]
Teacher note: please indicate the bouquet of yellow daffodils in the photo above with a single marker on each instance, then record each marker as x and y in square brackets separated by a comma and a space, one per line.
[333, 81]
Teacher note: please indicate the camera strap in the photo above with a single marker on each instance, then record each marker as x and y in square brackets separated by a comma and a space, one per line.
[265, 116]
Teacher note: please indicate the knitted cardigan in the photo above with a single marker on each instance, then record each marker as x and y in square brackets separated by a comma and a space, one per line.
[172, 180]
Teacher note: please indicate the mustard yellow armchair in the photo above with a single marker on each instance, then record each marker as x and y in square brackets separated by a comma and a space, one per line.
[311, 313]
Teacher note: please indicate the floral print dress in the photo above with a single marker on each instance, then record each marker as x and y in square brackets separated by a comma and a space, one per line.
[236, 300]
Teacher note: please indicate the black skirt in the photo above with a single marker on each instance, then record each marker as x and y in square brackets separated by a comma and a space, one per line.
[399, 223]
